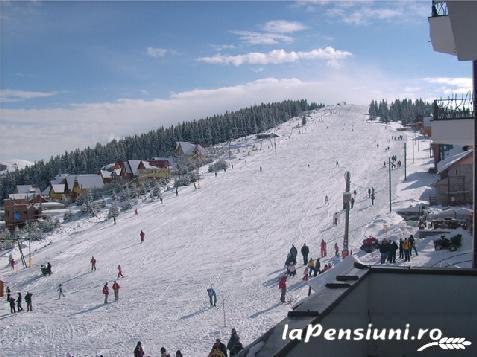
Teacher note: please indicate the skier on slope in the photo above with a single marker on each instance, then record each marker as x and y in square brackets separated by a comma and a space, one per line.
[12, 304]
[120, 272]
[116, 290]
[304, 251]
[293, 252]
[93, 263]
[29, 301]
[135, 212]
[282, 285]
[212, 296]
[138, 351]
[142, 235]
[19, 302]
[323, 248]
[106, 292]
[234, 345]
[60, 291]
[326, 199]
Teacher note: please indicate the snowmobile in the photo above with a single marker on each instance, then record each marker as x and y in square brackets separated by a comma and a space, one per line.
[446, 243]
[369, 244]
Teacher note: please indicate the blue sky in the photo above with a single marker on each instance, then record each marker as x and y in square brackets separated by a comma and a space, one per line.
[74, 73]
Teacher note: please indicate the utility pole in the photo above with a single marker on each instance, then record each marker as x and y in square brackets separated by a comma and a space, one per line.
[346, 199]
[405, 162]
[389, 169]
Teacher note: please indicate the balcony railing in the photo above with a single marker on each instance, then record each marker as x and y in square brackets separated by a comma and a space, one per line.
[439, 8]
[454, 107]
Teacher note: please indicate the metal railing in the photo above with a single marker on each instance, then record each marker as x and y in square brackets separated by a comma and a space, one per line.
[439, 8]
[455, 107]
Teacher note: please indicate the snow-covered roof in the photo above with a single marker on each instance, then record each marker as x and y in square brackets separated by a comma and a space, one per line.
[445, 164]
[189, 148]
[58, 188]
[86, 182]
[27, 189]
[18, 196]
[133, 164]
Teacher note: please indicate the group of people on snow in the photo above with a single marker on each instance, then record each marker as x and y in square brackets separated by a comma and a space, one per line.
[388, 249]
[234, 346]
[18, 307]
[139, 351]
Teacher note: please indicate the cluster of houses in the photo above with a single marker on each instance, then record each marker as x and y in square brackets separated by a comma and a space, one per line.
[27, 201]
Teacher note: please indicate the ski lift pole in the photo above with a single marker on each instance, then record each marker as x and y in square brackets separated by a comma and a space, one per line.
[223, 307]
[346, 199]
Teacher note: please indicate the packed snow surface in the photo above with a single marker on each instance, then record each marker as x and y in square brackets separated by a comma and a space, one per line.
[233, 233]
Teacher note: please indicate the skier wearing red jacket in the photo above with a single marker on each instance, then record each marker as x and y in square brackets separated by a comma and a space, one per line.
[282, 285]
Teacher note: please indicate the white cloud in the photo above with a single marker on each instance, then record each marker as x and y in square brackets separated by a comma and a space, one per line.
[262, 38]
[220, 48]
[452, 84]
[158, 52]
[366, 12]
[11, 95]
[329, 54]
[282, 26]
[53, 130]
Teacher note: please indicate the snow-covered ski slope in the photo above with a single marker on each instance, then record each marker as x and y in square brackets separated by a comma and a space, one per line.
[234, 233]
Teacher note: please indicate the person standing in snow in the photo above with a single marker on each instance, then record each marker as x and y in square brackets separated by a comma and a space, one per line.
[412, 245]
[406, 248]
[304, 251]
[317, 267]
[393, 248]
[135, 212]
[352, 202]
[311, 266]
[60, 291]
[8, 291]
[384, 250]
[292, 269]
[323, 248]
[93, 263]
[106, 292]
[12, 263]
[178, 352]
[260, 168]
[142, 235]
[164, 352]
[369, 193]
[337, 250]
[116, 290]
[373, 197]
[293, 253]
[337, 164]
[326, 199]
[234, 345]
[29, 301]
[48, 268]
[305, 275]
[212, 296]
[218, 347]
[335, 218]
[120, 272]
[401, 249]
[19, 302]
[12, 304]
[177, 191]
[138, 351]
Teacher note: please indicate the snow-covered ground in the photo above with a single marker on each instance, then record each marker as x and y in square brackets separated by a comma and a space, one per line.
[12, 165]
[233, 233]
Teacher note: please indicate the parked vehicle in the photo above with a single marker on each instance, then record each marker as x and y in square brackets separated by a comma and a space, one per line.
[445, 243]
